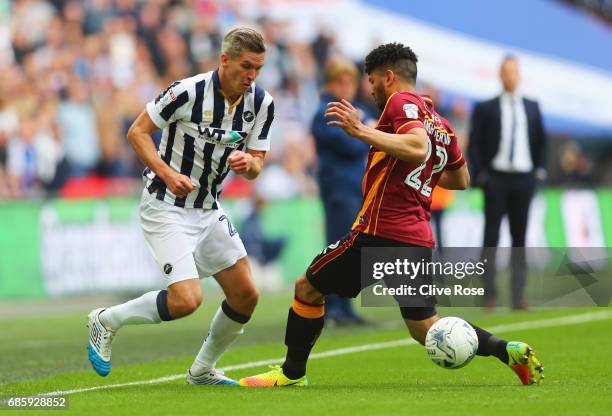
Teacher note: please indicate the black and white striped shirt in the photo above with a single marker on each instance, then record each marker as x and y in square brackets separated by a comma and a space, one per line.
[201, 129]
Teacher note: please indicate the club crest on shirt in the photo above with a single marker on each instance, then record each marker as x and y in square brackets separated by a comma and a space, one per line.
[167, 95]
[248, 116]
[411, 110]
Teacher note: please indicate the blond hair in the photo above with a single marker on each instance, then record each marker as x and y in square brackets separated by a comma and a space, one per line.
[337, 67]
[242, 39]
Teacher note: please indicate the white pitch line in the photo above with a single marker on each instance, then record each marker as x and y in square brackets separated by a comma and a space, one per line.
[542, 323]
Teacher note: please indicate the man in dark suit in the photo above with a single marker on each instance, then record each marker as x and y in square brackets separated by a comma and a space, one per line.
[507, 152]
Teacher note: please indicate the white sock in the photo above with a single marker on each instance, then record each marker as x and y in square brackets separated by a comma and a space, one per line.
[223, 332]
[142, 310]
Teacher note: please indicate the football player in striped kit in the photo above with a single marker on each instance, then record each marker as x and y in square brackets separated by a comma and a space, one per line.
[212, 123]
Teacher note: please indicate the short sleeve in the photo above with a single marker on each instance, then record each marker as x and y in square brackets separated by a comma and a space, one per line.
[455, 156]
[404, 113]
[169, 104]
[259, 136]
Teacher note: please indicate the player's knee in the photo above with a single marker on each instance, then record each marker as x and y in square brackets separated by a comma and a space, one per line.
[195, 301]
[250, 297]
[186, 304]
[301, 287]
[190, 305]
[305, 291]
[244, 300]
[184, 298]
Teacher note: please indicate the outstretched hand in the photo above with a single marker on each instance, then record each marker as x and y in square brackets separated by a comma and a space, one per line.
[347, 117]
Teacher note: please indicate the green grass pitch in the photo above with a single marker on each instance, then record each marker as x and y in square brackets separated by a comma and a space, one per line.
[47, 353]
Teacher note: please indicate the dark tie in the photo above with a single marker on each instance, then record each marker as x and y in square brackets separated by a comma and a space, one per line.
[512, 130]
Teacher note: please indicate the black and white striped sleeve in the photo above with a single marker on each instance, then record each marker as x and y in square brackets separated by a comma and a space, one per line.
[170, 103]
[259, 137]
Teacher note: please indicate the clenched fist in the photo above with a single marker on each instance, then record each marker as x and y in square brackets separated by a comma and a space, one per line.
[240, 162]
[180, 185]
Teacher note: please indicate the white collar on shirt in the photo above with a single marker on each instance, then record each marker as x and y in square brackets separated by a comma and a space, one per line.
[516, 95]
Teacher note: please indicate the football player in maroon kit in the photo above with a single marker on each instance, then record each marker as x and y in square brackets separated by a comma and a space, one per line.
[413, 149]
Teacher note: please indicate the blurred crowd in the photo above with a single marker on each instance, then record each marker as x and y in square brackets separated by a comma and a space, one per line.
[75, 74]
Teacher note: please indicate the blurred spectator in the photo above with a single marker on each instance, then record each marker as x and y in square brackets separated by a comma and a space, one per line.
[35, 158]
[274, 73]
[21, 160]
[4, 186]
[124, 51]
[9, 119]
[77, 123]
[97, 12]
[9, 126]
[204, 42]
[575, 165]
[341, 168]
[289, 177]
[30, 20]
[322, 47]
[261, 249]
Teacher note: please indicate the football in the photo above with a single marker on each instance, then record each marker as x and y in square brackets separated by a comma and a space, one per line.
[451, 343]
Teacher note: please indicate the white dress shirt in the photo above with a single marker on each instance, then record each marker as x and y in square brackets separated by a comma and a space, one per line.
[514, 155]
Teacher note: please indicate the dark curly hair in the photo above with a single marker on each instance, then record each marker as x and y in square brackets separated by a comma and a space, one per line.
[395, 56]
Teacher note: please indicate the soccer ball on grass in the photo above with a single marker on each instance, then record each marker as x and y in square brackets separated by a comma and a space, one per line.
[451, 342]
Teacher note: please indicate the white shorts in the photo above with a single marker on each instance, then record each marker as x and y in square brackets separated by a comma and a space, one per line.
[188, 243]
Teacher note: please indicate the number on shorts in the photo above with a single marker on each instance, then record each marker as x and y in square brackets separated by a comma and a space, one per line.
[330, 247]
[230, 227]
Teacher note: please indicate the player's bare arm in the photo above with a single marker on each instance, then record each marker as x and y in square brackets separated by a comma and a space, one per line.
[409, 147]
[248, 164]
[456, 180]
[139, 136]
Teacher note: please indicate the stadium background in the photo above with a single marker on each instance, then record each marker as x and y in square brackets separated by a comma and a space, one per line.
[74, 74]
